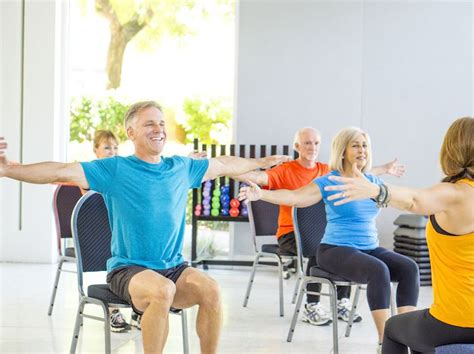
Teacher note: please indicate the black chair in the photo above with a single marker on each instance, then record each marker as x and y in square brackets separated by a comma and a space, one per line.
[92, 238]
[263, 218]
[64, 201]
[310, 224]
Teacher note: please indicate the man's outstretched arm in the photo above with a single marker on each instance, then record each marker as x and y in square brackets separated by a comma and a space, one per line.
[257, 177]
[43, 172]
[233, 166]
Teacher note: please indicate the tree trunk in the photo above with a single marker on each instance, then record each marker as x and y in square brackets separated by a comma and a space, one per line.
[120, 35]
[117, 46]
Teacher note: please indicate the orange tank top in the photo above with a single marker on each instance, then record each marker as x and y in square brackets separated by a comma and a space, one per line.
[292, 175]
[452, 272]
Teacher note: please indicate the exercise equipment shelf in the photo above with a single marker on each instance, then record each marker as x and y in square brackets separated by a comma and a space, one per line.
[223, 218]
[215, 200]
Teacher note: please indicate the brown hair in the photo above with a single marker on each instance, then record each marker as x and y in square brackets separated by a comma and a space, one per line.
[137, 107]
[103, 135]
[457, 152]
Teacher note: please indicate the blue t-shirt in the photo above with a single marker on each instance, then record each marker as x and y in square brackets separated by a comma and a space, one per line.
[146, 204]
[351, 224]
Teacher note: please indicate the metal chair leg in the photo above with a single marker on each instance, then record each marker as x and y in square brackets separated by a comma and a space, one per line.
[77, 327]
[355, 303]
[55, 285]
[108, 349]
[297, 286]
[280, 285]
[184, 326]
[297, 311]
[252, 276]
[333, 301]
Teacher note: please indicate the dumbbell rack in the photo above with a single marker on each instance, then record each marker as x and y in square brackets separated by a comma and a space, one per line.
[410, 240]
[233, 191]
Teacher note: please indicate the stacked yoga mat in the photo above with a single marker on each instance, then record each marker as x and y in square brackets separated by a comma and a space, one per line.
[410, 240]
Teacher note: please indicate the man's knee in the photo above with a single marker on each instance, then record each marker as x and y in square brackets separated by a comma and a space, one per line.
[164, 293]
[211, 294]
[161, 292]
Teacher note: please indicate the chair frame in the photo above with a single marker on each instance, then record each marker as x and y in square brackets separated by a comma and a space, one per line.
[260, 254]
[61, 246]
[85, 299]
[332, 294]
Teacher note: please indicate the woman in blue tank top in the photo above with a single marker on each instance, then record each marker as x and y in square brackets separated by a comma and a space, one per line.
[350, 246]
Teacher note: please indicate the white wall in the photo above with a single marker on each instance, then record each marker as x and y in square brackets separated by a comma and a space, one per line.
[1, 105]
[32, 123]
[401, 70]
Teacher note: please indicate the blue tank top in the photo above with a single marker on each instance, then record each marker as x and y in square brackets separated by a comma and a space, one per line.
[351, 224]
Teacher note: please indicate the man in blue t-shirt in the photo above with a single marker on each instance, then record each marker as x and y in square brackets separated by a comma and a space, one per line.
[146, 197]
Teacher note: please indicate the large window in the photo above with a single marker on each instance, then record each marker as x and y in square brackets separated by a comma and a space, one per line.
[179, 53]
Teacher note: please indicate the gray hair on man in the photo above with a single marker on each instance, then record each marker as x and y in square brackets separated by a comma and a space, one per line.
[300, 132]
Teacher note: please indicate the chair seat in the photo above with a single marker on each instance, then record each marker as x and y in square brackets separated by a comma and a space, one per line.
[70, 252]
[103, 293]
[273, 248]
[320, 273]
[455, 349]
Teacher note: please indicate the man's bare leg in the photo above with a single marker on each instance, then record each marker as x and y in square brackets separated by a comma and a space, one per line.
[196, 288]
[152, 294]
[165, 334]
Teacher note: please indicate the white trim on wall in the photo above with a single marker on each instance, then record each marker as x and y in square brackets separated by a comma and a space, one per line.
[33, 121]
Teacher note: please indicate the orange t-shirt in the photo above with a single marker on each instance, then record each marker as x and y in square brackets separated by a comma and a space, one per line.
[452, 271]
[292, 175]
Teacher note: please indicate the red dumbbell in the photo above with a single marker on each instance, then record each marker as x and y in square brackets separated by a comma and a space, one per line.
[234, 212]
[234, 203]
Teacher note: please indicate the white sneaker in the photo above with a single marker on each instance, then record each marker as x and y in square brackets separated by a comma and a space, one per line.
[379, 348]
[315, 314]
[117, 322]
[136, 320]
[344, 307]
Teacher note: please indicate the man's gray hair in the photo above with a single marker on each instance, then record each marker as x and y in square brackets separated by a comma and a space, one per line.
[301, 131]
[137, 107]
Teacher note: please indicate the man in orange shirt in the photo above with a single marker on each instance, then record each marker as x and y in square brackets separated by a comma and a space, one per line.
[296, 174]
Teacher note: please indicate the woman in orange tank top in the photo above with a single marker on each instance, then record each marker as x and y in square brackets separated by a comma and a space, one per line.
[450, 236]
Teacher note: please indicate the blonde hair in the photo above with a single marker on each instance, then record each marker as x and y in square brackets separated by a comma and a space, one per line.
[137, 107]
[457, 152]
[339, 145]
[103, 135]
[296, 139]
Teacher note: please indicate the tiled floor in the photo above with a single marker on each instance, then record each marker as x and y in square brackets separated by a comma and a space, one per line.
[26, 328]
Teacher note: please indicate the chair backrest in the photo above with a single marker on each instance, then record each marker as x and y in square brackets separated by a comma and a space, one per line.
[263, 218]
[92, 235]
[64, 201]
[310, 224]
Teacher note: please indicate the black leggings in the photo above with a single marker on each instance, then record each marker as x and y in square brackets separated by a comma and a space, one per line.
[342, 291]
[376, 268]
[422, 333]
[287, 244]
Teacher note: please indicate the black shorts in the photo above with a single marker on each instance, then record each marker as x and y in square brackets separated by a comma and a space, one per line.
[287, 244]
[119, 279]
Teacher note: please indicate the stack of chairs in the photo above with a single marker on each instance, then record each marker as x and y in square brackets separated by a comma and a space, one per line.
[410, 240]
